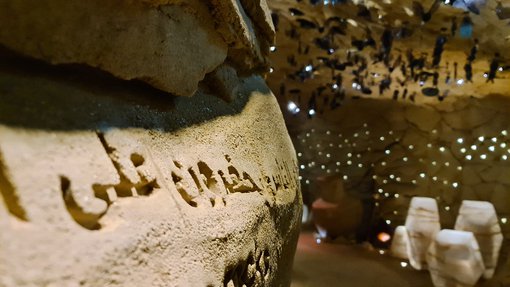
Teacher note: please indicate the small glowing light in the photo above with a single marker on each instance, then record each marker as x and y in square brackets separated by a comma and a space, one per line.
[403, 263]
[504, 132]
[494, 140]
[405, 159]
[502, 145]
[388, 221]
[422, 83]
[455, 184]
[323, 167]
[387, 151]
[338, 163]
[271, 70]
[349, 162]
[483, 156]
[292, 107]
[442, 149]
[328, 155]
[311, 112]
[460, 140]
[504, 157]
[460, 81]
[383, 237]
[504, 220]
[413, 181]
[349, 154]
[422, 175]
[392, 176]
[463, 150]
[445, 182]
[459, 168]
[397, 195]
[447, 208]
[434, 163]
[474, 147]
[481, 138]
[492, 148]
[434, 131]
[381, 252]
[398, 179]
[331, 51]
[308, 68]
[345, 177]
[429, 145]
[469, 157]
[381, 138]
[272, 48]
[446, 164]
[380, 190]
[485, 75]
[335, 86]
[307, 181]
[302, 166]
[411, 146]
[374, 176]
[358, 155]
[434, 178]
[300, 177]
[500, 69]
[383, 163]
[360, 165]
[355, 135]
[385, 181]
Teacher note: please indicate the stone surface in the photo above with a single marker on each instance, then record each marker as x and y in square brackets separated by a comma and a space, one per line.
[400, 243]
[170, 45]
[422, 224]
[454, 259]
[424, 118]
[105, 182]
[479, 217]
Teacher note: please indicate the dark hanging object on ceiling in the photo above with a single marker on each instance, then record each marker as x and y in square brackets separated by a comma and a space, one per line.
[276, 20]
[296, 12]
[425, 15]
[364, 12]
[305, 24]
[366, 90]
[502, 12]
[430, 92]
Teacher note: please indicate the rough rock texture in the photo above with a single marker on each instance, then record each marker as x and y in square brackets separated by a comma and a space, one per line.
[454, 259]
[422, 225]
[107, 182]
[104, 182]
[400, 243]
[171, 45]
[480, 218]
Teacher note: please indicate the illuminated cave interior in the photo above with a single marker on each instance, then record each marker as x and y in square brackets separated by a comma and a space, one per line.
[386, 101]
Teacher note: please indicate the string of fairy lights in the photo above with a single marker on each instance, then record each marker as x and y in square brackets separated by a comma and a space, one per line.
[397, 168]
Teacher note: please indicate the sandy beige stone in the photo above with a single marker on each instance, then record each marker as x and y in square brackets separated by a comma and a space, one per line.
[104, 182]
[171, 47]
[422, 225]
[454, 259]
[479, 217]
